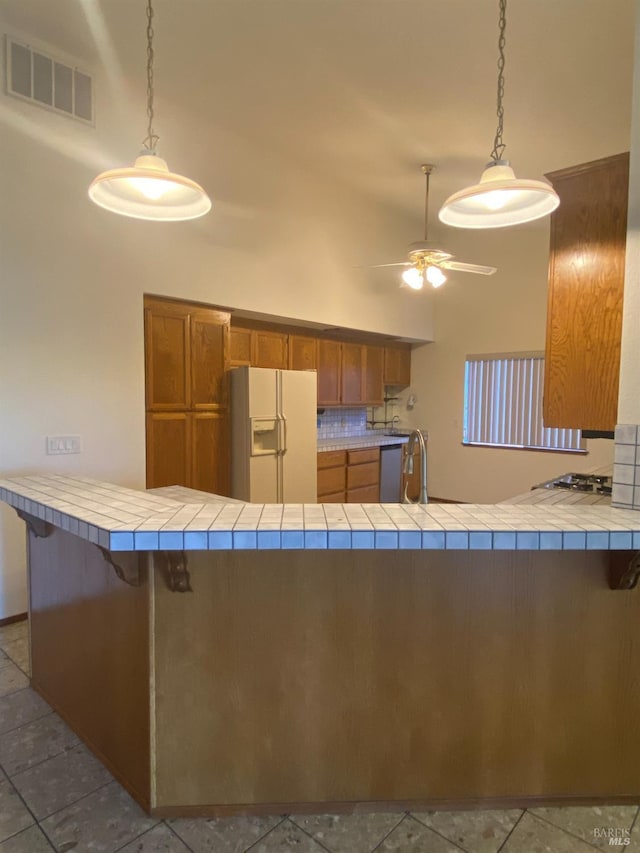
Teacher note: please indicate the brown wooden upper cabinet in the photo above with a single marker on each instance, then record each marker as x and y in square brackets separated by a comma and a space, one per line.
[209, 338]
[397, 365]
[584, 307]
[240, 346]
[167, 363]
[352, 373]
[270, 349]
[373, 390]
[329, 363]
[302, 353]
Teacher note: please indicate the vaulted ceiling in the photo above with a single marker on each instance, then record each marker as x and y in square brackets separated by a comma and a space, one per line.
[363, 91]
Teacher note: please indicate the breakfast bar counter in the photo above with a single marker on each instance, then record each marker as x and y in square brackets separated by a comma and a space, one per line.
[225, 658]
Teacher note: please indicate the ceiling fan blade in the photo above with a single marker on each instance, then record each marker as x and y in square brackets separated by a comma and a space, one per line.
[460, 267]
[378, 266]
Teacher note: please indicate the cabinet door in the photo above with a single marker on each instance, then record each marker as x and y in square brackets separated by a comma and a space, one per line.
[373, 376]
[168, 449]
[270, 349]
[352, 374]
[397, 365]
[584, 308]
[166, 332]
[209, 358]
[328, 362]
[240, 346]
[302, 353]
[364, 495]
[210, 457]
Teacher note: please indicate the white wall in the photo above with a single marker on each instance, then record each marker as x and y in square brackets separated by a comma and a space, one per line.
[474, 314]
[279, 240]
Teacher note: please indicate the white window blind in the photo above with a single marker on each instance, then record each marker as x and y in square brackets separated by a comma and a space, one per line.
[503, 404]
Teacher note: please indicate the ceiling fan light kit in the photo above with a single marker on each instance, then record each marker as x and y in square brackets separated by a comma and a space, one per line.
[426, 261]
[499, 199]
[148, 190]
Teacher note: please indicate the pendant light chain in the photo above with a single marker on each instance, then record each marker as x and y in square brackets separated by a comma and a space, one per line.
[498, 144]
[151, 139]
[426, 205]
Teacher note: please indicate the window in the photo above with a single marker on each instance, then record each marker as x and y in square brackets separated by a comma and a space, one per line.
[503, 404]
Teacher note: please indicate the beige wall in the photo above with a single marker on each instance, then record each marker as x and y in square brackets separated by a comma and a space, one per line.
[279, 240]
[473, 314]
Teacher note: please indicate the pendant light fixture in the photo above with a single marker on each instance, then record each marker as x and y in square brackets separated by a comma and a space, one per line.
[148, 190]
[500, 199]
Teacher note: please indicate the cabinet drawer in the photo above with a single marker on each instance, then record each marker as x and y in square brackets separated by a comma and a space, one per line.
[333, 498]
[363, 475]
[365, 495]
[357, 457]
[331, 480]
[331, 458]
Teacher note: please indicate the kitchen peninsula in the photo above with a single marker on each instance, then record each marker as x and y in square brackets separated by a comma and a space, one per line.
[227, 658]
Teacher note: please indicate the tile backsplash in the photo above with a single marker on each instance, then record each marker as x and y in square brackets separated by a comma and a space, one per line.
[626, 467]
[338, 423]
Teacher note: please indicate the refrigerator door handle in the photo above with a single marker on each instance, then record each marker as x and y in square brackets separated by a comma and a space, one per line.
[283, 441]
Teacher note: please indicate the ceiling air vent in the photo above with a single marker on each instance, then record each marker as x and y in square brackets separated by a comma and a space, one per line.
[44, 80]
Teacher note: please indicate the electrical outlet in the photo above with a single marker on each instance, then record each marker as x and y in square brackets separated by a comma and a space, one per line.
[59, 444]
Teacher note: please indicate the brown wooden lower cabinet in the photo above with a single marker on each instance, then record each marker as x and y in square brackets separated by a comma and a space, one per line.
[349, 476]
[332, 480]
[188, 449]
[168, 449]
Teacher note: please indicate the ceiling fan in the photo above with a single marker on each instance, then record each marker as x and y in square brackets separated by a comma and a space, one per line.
[427, 261]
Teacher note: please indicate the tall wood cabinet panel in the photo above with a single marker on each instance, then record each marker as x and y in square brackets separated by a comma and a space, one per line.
[168, 449]
[167, 366]
[187, 423]
[397, 365]
[270, 349]
[209, 331]
[373, 390]
[329, 372]
[584, 308]
[352, 373]
[210, 445]
[302, 353]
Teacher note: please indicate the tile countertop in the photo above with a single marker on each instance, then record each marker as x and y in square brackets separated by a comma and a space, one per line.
[123, 519]
[368, 439]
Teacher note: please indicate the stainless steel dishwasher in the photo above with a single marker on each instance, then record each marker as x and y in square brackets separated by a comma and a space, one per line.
[390, 473]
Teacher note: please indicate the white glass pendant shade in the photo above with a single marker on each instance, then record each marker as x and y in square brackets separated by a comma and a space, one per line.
[414, 278]
[148, 190]
[435, 276]
[499, 200]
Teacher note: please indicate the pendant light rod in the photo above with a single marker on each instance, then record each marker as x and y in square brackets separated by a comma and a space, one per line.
[499, 199]
[427, 168]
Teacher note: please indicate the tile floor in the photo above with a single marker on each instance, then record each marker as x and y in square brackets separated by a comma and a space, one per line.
[54, 795]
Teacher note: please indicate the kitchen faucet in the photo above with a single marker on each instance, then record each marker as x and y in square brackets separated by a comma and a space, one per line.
[418, 436]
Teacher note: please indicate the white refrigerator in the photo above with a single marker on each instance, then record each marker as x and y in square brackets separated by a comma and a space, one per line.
[273, 435]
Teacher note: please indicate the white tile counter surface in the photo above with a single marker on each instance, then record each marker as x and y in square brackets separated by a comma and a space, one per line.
[368, 439]
[123, 519]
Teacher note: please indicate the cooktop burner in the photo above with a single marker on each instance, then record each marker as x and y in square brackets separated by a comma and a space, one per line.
[593, 483]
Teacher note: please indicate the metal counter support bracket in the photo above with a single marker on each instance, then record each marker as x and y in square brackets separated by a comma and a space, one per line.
[37, 526]
[624, 569]
[174, 566]
[128, 566]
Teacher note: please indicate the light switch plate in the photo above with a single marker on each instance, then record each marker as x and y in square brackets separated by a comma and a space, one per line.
[59, 444]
